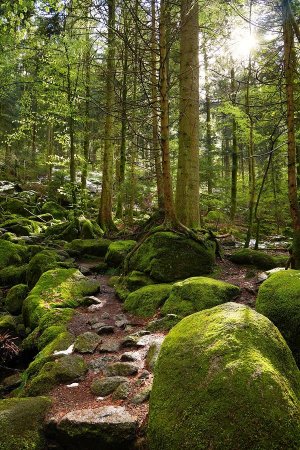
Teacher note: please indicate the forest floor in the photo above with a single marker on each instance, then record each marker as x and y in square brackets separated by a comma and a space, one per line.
[114, 348]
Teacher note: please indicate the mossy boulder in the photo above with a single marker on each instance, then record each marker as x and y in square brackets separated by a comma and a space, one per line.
[7, 323]
[147, 300]
[15, 297]
[57, 211]
[58, 288]
[12, 275]
[131, 282]
[40, 263]
[87, 342]
[279, 300]
[168, 256]
[21, 423]
[198, 293]
[16, 206]
[117, 252]
[256, 258]
[80, 228]
[105, 386]
[12, 254]
[225, 379]
[92, 247]
[22, 226]
[63, 370]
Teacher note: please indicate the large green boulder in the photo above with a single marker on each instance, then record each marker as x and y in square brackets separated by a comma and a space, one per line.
[145, 301]
[40, 263]
[279, 300]
[15, 297]
[131, 282]
[57, 211]
[11, 275]
[16, 206]
[12, 254]
[225, 379]
[117, 252]
[91, 247]
[198, 293]
[256, 258]
[58, 288]
[21, 226]
[168, 256]
[21, 423]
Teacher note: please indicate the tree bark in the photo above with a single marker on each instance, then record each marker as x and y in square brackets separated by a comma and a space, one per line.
[234, 153]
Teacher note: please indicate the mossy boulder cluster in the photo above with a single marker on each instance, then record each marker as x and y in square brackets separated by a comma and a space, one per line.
[225, 379]
[79, 228]
[279, 300]
[182, 298]
[257, 258]
[168, 256]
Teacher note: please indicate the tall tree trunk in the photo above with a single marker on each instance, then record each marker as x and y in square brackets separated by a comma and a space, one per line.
[105, 211]
[170, 215]
[187, 187]
[209, 142]
[154, 101]
[50, 150]
[234, 153]
[289, 72]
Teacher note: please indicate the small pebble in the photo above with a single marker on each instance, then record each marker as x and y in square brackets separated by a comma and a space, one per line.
[72, 385]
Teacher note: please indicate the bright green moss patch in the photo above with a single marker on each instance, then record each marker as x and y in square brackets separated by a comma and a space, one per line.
[94, 247]
[7, 323]
[145, 301]
[22, 422]
[256, 258]
[57, 211]
[22, 227]
[15, 297]
[279, 300]
[12, 254]
[40, 263]
[225, 379]
[168, 256]
[117, 251]
[198, 293]
[133, 281]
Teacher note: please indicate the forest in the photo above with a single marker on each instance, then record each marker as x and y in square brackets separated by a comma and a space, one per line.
[149, 225]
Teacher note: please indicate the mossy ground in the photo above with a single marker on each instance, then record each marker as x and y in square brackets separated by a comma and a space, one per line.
[198, 293]
[225, 379]
[279, 300]
[145, 301]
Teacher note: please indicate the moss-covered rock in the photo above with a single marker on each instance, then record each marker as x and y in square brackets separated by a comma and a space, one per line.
[168, 256]
[22, 227]
[89, 229]
[40, 263]
[256, 258]
[79, 228]
[15, 297]
[279, 300]
[131, 282]
[87, 342]
[107, 385]
[12, 275]
[22, 422]
[198, 293]
[12, 254]
[225, 379]
[117, 252]
[16, 206]
[93, 247]
[7, 323]
[56, 210]
[145, 301]
[58, 288]
[65, 369]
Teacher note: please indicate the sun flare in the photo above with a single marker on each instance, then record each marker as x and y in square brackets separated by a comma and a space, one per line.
[242, 42]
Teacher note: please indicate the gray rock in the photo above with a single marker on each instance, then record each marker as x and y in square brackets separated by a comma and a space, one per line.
[122, 392]
[105, 386]
[129, 341]
[152, 354]
[96, 325]
[105, 315]
[101, 363]
[121, 369]
[142, 396]
[87, 342]
[106, 329]
[109, 347]
[130, 356]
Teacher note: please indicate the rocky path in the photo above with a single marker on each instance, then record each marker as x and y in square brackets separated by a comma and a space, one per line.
[112, 398]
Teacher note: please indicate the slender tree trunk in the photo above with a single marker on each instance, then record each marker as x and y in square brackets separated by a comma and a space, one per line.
[209, 141]
[289, 71]
[187, 187]
[154, 101]
[234, 153]
[105, 211]
[50, 151]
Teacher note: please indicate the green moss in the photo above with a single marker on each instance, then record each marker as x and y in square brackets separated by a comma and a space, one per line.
[22, 422]
[56, 210]
[56, 317]
[87, 342]
[12, 254]
[133, 281]
[63, 370]
[94, 247]
[198, 293]
[89, 229]
[279, 300]
[57, 288]
[12, 275]
[8, 236]
[168, 256]
[15, 206]
[117, 252]
[49, 335]
[22, 227]
[225, 379]
[145, 301]
[40, 263]
[15, 297]
[7, 323]
[256, 258]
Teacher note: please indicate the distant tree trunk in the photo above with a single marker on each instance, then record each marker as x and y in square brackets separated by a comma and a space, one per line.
[187, 187]
[154, 101]
[289, 72]
[105, 211]
[50, 151]
[209, 141]
[234, 153]
[169, 209]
